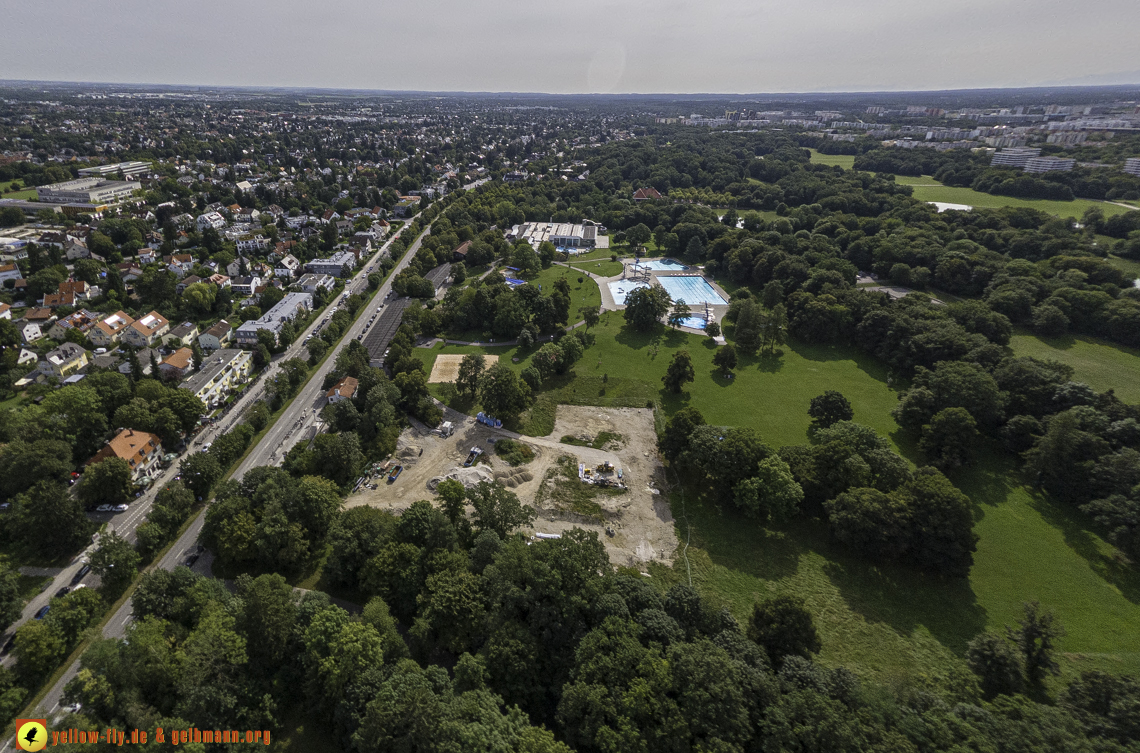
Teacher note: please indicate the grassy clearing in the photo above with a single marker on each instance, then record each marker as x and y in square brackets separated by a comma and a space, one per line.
[846, 161]
[927, 188]
[1101, 365]
[886, 621]
[605, 268]
[1127, 265]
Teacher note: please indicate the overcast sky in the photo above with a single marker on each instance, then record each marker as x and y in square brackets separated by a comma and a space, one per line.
[739, 46]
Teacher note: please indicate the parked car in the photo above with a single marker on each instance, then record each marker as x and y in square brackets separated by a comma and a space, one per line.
[206, 447]
[80, 575]
[8, 645]
[120, 508]
[103, 508]
[189, 561]
[43, 611]
[64, 591]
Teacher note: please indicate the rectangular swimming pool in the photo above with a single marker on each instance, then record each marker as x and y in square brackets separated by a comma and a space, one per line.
[695, 322]
[619, 289]
[691, 289]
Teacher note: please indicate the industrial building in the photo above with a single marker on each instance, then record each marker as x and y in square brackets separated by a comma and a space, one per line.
[561, 234]
[87, 191]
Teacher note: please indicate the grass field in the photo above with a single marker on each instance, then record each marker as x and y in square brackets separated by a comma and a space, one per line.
[846, 161]
[927, 188]
[884, 621]
[1128, 265]
[1099, 364]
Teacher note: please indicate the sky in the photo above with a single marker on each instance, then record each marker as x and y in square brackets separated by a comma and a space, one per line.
[577, 46]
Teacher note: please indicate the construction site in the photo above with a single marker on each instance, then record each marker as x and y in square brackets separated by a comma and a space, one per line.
[597, 471]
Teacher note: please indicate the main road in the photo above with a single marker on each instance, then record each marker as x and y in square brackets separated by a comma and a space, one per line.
[270, 449]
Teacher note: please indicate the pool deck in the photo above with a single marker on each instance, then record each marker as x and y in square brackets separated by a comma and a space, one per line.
[718, 310]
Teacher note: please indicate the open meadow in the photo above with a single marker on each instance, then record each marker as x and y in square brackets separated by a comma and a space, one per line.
[889, 621]
[927, 188]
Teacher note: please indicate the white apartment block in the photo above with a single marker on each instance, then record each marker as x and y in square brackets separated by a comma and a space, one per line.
[222, 372]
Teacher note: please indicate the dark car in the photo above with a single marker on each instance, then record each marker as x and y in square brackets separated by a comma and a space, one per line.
[80, 575]
[189, 561]
[63, 591]
[43, 611]
[8, 646]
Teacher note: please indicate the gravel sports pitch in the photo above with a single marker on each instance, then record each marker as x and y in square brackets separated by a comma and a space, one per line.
[446, 367]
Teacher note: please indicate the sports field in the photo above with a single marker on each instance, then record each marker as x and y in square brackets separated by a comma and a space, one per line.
[846, 161]
[446, 367]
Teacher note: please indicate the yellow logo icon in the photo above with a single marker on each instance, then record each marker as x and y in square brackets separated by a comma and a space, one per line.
[31, 734]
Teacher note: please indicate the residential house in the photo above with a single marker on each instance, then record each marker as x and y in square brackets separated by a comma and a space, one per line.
[460, 252]
[216, 337]
[55, 300]
[63, 361]
[107, 361]
[245, 286]
[286, 267]
[129, 272]
[145, 356]
[80, 289]
[246, 215]
[41, 316]
[252, 245]
[76, 249]
[334, 265]
[27, 356]
[220, 280]
[147, 256]
[5, 311]
[186, 282]
[107, 331]
[142, 451]
[178, 364]
[29, 331]
[345, 389]
[211, 219]
[182, 335]
[146, 331]
[221, 373]
[81, 321]
[10, 272]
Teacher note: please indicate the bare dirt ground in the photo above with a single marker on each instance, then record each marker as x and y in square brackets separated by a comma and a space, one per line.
[639, 519]
[446, 367]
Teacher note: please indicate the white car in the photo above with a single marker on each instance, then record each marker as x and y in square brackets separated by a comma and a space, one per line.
[121, 508]
[103, 508]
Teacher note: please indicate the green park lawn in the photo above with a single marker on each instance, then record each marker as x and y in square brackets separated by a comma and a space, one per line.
[846, 161]
[1128, 265]
[886, 621]
[927, 188]
[1099, 364]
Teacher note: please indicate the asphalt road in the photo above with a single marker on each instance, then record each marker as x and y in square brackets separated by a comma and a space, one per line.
[289, 428]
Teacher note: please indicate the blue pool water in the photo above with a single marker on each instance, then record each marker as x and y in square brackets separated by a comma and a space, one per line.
[696, 322]
[621, 288]
[664, 265]
[691, 289]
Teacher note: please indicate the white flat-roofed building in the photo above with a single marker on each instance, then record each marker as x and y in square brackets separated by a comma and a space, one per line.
[220, 374]
[211, 219]
[119, 168]
[1014, 157]
[288, 309]
[1132, 165]
[334, 265]
[87, 191]
[1049, 164]
[310, 282]
[561, 234]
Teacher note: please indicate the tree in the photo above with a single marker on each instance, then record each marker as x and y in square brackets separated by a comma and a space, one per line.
[498, 509]
[680, 313]
[39, 649]
[694, 250]
[725, 358]
[105, 483]
[116, 563]
[1036, 637]
[502, 393]
[772, 295]
[997, 663]
[644, 307]
[712, 329]
[829, 408]
[783, 627]
[51, 517]
[949, 438]
[200, 471]
[257, 415]
[674, 441]
[11, 601]
[590, 315]
[638, 235]
[470, 369]
[774, 328]
[679, 372]
[747, 333]
[772, 494]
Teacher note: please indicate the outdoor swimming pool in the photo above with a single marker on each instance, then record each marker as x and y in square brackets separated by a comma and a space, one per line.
[621, 288]
[664, 265]
[691, 289]
[695, 322]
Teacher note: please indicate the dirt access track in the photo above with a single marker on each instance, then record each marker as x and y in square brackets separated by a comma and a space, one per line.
[639, 519]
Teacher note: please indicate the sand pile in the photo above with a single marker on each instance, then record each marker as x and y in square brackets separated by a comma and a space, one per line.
[513, 477]
[469, 477]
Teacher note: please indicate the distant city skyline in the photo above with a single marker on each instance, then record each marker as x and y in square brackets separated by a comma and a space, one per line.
[627, 46]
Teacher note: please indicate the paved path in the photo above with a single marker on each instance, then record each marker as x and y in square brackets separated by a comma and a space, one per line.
[41, 572]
